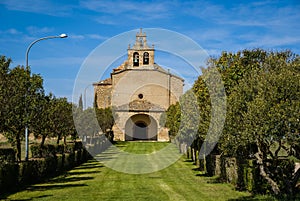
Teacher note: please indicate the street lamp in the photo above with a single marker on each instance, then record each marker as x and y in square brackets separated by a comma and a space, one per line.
[27, 52]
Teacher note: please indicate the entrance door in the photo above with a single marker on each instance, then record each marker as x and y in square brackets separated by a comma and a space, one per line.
[140, 131]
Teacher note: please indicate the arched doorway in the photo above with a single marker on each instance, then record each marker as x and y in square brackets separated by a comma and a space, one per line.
[141, 127]
[140, 131]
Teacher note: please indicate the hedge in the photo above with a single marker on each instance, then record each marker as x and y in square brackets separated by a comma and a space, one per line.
[213, 165]
[8, 176]
[44, 151]
[47, 161]
[7, 155]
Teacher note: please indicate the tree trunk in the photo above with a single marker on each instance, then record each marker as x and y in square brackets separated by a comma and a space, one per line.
[18, 144]
[274, 185]
[43, 140]
[58, 139]
[195, 155]
[204, 164]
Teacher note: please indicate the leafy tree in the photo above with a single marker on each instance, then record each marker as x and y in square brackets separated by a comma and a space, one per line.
[189, 118]
[86, 122]
[264, 114]
[4, 71]
[53, 118]
[42, 126]
[172, 119]
[106, 120]
[21, 91]
[62, 119]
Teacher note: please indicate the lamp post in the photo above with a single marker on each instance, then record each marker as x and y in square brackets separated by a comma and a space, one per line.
[26, 121]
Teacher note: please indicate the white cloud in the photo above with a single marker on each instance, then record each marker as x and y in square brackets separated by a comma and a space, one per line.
[33, 30]
[87, 36]
[96, 36]
[73, 62]
[76, 36]
[106, 20]
[117, 7]
[273, 41]
[111, 12]
[54, 8]
[248, 25]
[11, 31]
[247, 14]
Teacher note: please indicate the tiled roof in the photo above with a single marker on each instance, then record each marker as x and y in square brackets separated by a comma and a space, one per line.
[105, 82]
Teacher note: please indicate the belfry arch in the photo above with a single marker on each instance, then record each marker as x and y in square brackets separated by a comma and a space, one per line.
[141, 127]
[146, 58]
[136, 59]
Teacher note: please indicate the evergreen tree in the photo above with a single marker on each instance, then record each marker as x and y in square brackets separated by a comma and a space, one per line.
[80, 102]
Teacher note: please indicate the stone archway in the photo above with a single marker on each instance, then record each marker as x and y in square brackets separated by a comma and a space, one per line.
[141, 127]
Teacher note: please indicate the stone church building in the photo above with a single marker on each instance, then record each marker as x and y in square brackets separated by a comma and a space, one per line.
[140, 91]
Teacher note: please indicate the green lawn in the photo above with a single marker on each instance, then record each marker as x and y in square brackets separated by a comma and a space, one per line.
[93, 181]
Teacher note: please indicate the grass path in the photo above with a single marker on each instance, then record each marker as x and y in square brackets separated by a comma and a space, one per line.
[93, 181]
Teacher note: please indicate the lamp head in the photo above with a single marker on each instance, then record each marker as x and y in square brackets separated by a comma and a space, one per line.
[63, 35]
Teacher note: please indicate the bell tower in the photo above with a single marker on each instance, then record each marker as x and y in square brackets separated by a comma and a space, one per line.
[140, 54]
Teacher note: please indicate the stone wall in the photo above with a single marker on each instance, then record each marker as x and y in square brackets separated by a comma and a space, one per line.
[152, 84]
[103, 95]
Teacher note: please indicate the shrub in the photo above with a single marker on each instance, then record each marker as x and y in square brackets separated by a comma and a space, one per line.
[60, 162]
[246, 175]
[229, 170]
[60, 149]
[44, 151]
[78, 154]
[78, 145]
[69, 161]
[70, 147]
[44, 164]
[213, 165]
[26, 173]
[7, 155]
[8, 177]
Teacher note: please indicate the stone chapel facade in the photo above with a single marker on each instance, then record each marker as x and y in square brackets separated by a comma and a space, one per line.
[140, 91]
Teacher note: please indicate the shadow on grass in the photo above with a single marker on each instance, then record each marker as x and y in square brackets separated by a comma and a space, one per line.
[33, 198]
[120, 145]
[89, 166]
[82, 173]
[53, 187]
[66, 180]
[188, 160]
[245, 198]
[69, 179]
[253, 198]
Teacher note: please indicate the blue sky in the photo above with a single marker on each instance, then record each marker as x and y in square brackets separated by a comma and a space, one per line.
[215, 25]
